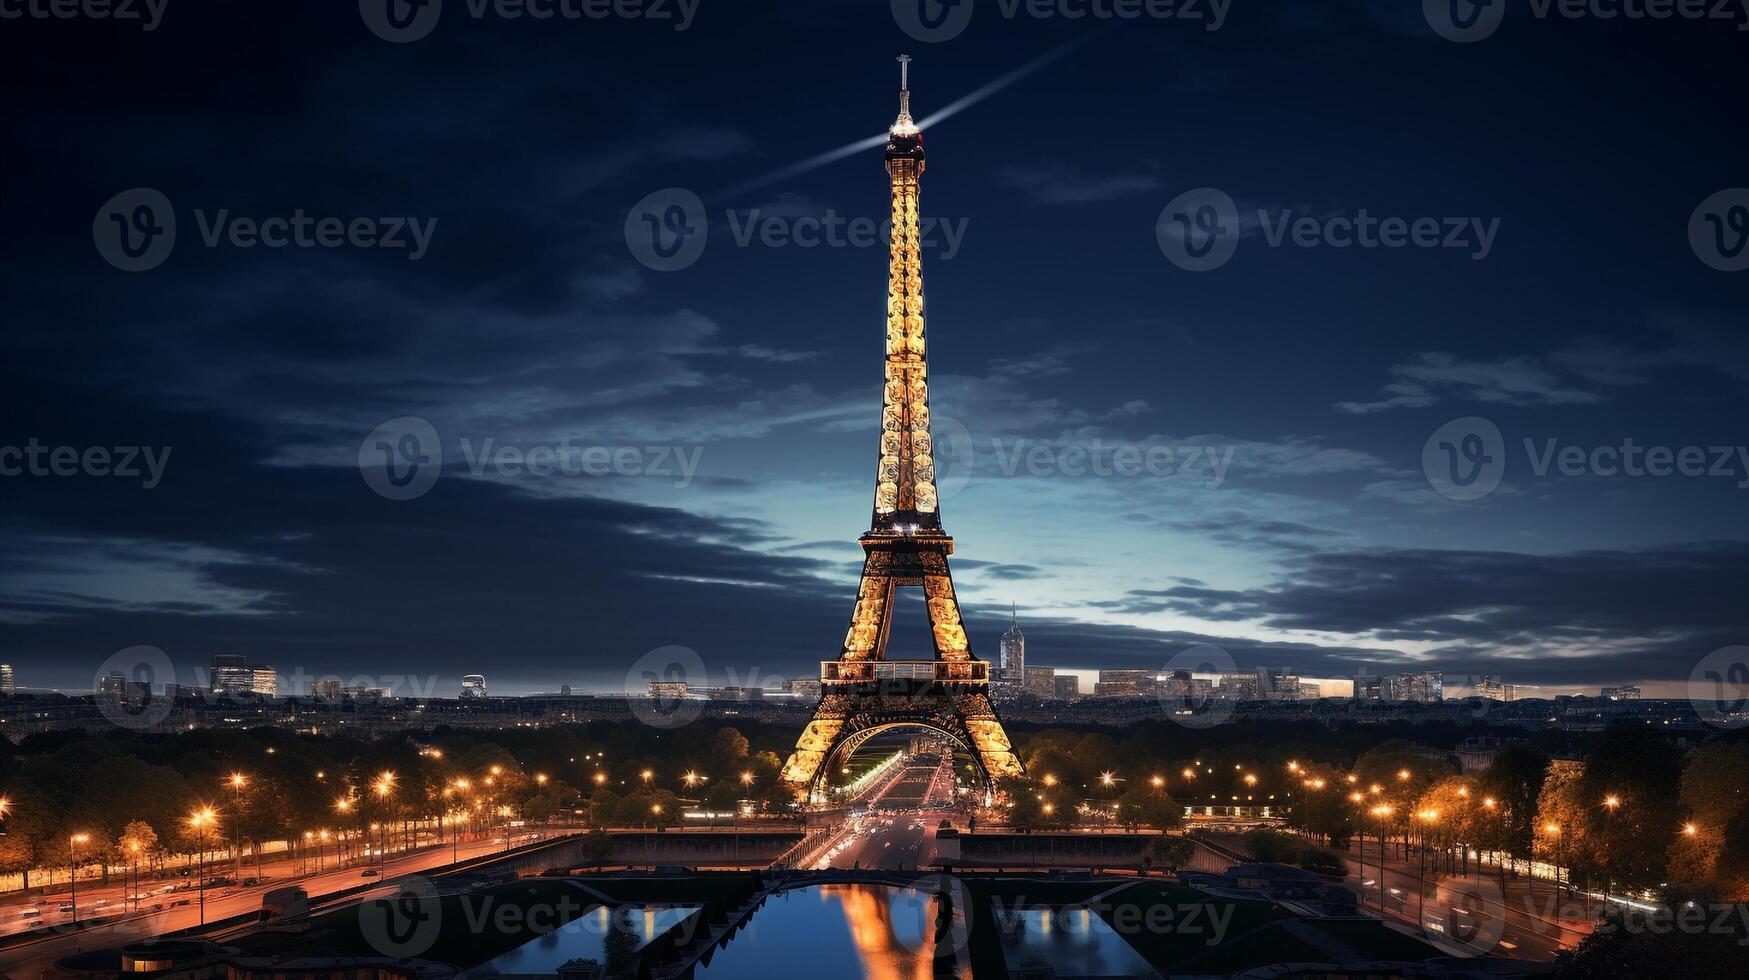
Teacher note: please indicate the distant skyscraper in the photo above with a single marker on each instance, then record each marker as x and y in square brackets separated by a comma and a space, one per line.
[1369, 687]
[1012, 670]
[232, 673]
[1625, 693]
[7, 686]
[114, 683]
[1278, 685]
[1426, 686]
[474, 686]
[666, 690]
[1178, 684]
[1490, 686]
[1067, 687]
[327, 689]
[564, 690]
[1240, 687]
[1125, 682]
[1041, 682]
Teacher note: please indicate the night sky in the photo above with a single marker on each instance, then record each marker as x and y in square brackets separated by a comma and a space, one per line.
[1314, 376]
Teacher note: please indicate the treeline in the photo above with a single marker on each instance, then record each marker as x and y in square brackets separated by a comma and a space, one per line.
[122, 797]
[1636, 812]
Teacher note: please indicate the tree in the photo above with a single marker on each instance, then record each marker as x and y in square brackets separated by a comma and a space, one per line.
[1711, 796]
[1150, 807]
[1171, 852]
[1515, 781]
[1640, 771]
[597, 847]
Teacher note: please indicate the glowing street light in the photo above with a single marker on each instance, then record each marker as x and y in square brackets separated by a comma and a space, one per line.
[73, 843]
[200, 820]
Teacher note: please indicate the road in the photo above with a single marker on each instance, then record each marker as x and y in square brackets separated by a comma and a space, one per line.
[892, 825]
[1523, 920]
[891, 841]
[27, 958]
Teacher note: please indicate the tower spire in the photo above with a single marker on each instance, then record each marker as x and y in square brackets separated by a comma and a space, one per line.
[903, 126]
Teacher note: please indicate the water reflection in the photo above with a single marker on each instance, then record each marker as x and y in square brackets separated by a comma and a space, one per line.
[607, 936]
[1051, 942]
[841, 932]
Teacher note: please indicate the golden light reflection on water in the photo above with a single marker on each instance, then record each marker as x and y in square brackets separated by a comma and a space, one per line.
[889, 948]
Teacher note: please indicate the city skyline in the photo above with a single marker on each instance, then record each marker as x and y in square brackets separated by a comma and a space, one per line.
[1298, 524]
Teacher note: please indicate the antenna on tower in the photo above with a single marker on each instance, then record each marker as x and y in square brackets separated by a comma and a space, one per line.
[903, 126]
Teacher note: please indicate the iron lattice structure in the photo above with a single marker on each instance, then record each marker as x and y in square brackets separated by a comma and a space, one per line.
[862, 692]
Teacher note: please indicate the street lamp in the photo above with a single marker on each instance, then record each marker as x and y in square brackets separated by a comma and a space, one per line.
[134, 867]
[1428, 817]
[1381, 811]
[1610, 802]
[200, 820]
[384, 787]
[73, 843]
[237, 782]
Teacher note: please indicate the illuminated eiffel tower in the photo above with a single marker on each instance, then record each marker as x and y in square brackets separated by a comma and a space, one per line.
[862, 692]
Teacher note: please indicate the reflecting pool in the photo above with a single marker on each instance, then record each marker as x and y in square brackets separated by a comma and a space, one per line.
[1071, 942]
[837, 932]
[607, 936]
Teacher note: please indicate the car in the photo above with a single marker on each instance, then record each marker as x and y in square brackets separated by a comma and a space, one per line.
[369, 873]
[219, 881]
[251, 882]
[30, 913]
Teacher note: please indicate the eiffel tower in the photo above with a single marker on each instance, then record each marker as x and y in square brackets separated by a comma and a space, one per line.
[862, 692]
